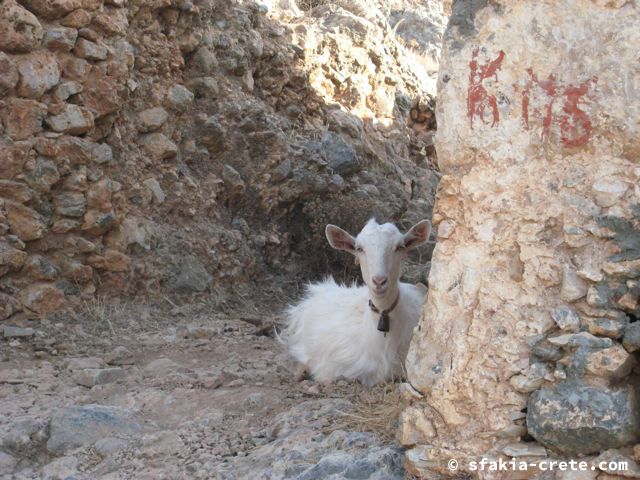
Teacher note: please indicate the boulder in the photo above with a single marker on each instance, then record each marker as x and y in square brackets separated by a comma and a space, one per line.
[537, 146]
[576, 418]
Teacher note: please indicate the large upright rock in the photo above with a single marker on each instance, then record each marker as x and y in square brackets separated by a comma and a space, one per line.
[537, 142]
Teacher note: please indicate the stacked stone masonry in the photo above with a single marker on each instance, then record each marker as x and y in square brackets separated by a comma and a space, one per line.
[170, 146]
[528, 345]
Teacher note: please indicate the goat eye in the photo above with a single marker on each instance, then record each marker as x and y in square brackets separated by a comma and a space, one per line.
[400, 248]
[359, 249]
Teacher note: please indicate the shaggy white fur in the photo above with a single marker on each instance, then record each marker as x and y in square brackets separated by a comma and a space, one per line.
[334, 332]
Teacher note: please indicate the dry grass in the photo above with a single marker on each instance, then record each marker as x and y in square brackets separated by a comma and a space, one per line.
[97, 314]
[374, 410]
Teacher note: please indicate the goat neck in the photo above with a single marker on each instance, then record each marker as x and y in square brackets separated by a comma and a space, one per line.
[388, 299]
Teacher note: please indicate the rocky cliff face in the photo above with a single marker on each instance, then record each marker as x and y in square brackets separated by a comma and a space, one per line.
[528, 345]
[187, 146]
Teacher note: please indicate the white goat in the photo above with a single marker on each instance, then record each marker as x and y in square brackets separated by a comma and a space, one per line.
[360, 333]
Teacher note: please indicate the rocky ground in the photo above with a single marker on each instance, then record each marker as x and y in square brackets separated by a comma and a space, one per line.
[166, 391]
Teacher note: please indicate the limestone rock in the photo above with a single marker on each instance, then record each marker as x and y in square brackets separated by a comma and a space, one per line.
[23, 118]
[81, 425]
[100, 193]
[582, 339]
[43, 176]
[566, 318]
[159, 147]
[20, 30]
[41, 268]
[110, 446]
[8, 74]
[77, 19]
[8, 306]
[11, 259]
[203, 62]
[524, 450]
[576, 418]
[17, 332]
[609, 191]
[179, 98]
[340, 156]
[70, 204]
[24, 222]
[13, 156]
[607, 327]
[16, 191]
[233, 181]
[52, 8]
[151, 119]
[90, 50]
[102, 154]
[39, 72]
[97, 222]
[111, 260]
[573, 287]
[73, 120]
[613, 362]
[60, 39]
[544, 209]
[42, 298]
[204, 87]
[532, 379]
[191, 276]
[99, 376]
[631, 340]
[66, 89]
[610, 459]
[153, 185]
[415, 427]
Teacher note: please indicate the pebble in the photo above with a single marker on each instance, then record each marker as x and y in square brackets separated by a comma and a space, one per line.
[17, 332]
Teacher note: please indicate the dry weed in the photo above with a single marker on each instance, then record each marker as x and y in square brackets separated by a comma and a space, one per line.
[374, 410]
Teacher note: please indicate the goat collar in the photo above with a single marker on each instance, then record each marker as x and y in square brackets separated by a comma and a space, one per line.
[383, 323]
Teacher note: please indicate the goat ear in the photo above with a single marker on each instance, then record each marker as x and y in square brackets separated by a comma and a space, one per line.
[417, 235]
[339, 239]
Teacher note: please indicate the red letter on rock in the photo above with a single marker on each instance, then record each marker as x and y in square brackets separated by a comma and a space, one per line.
[478, 99]
[575, 124]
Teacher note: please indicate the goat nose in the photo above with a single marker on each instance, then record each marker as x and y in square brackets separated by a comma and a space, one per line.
[379, 280]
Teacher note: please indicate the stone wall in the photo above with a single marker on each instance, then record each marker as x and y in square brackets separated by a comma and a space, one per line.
[528, 345]
[171, 147]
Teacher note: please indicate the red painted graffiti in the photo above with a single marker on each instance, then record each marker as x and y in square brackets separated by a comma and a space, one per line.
[573, 122]
[478, 99]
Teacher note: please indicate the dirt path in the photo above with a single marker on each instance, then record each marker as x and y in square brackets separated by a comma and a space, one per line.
[192, 394]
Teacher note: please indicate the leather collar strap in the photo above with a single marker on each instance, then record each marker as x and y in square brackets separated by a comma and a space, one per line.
[383, 323]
